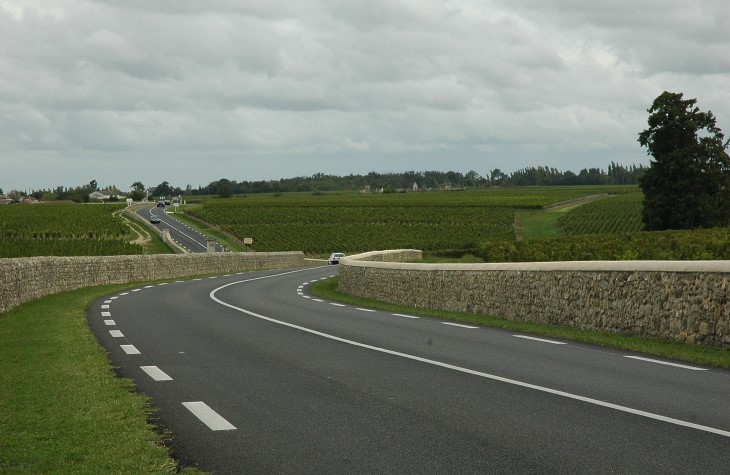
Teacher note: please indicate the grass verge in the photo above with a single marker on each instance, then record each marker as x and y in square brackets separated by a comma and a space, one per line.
[62, 407]
[327, 289]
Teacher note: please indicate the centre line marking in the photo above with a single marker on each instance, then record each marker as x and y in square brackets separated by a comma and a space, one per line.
[540, 339]
[472, 372]
[156, 373]
[208, 416]
[693, 368]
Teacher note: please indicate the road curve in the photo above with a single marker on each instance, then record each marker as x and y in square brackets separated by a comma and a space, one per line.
[252, 374]
[188, 238]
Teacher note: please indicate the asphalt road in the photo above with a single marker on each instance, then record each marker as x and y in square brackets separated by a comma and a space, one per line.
[189, 238]
[253, 375]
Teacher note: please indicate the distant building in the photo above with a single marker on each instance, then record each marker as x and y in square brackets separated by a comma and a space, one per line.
[106, 195]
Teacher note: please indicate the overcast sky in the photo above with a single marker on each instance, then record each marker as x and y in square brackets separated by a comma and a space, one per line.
[191, 91]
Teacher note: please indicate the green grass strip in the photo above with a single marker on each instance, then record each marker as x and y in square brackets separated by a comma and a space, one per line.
[62, 408]
[327, 289]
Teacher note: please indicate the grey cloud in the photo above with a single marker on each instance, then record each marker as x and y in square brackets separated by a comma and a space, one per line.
[346, 85]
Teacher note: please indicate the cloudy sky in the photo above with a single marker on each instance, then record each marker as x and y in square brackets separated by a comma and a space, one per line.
[190, 91]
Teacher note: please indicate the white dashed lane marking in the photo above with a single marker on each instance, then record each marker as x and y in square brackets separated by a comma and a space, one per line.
[156, 373]
[130, 350]
[116, 333]
[540, 339]
[459, 325]
[208, 416]
[109, 323]
[666, 363]
[405, 316]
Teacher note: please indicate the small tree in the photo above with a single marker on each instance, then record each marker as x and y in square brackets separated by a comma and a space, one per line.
[687, 184]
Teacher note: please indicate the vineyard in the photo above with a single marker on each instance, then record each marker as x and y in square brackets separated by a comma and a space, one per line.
[481, 222]
[63, 230]
[317, 230]
[434, 222]
[611, 215]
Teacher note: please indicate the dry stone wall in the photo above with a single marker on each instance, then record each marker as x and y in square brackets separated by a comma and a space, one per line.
[683, 301]
[25, 279]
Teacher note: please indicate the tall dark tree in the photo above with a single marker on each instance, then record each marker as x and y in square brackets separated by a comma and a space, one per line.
[138, 191]
[163, 189]
[687, 184]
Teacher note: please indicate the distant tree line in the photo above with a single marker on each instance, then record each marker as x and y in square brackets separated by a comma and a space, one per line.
[391, 182]
[373, 182]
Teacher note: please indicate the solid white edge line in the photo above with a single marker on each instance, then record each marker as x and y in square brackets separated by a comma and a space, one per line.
[156, 373]
[552, 342]
[493, 377]
[208, 416]
[666, 363]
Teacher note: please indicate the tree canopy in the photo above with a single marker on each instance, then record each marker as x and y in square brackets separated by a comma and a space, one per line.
[687, 184]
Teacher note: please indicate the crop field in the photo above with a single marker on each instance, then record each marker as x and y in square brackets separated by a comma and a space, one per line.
[63, 230]
[437, 221]
[613, 215]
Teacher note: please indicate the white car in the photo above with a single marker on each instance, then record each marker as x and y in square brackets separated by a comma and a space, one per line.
[335, 258]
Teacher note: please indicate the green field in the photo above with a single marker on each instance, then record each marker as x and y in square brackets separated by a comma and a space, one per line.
[61, 229]
[493, 224]
[612, 215]
[435, 222]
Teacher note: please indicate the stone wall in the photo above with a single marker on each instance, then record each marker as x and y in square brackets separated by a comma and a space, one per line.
[677, 300]
[25, 279]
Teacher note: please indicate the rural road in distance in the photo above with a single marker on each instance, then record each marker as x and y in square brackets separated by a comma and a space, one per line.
[251, 374]
[189, 238]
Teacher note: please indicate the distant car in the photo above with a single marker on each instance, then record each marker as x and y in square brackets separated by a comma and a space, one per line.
[160, 204]
[335, 258]
[154, 220]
